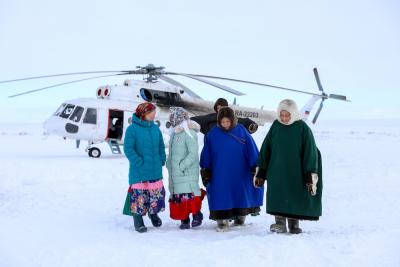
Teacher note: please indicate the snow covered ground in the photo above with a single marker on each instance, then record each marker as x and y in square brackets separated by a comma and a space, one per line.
[59, 207]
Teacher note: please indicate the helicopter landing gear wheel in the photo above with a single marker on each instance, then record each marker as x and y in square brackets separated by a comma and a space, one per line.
[94, 152]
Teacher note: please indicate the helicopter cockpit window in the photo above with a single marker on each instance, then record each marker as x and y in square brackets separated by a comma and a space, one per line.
[90, 116]
[76, 116]
[67, 111]
[58, 111]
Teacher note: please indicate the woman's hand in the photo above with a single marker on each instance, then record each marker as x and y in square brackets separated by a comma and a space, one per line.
[259, 177]
[181, 166]
[258, 182]
[311, 183]
[205, 176]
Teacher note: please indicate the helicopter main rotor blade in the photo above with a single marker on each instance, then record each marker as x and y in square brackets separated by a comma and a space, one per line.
[64, 74]
[176, 83]
[244, 81]
[60, 84]
[200, 79]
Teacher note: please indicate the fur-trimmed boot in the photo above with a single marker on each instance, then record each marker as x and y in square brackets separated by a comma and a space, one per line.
[279, 226]
[139, 224]
[293, 225]
[155, 220]
[185, 224]
[197, 219]
[222, 225]
[239, 220]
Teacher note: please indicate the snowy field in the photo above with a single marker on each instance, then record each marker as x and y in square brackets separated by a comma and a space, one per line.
[58, 207]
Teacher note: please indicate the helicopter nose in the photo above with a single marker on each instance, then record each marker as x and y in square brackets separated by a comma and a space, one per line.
[48, 125]
[54, 125]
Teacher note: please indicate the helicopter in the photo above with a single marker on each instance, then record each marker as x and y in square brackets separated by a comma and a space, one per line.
[106, 117]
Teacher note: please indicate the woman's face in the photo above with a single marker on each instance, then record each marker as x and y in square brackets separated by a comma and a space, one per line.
[226, 123]
[285, 116]
[150, 116]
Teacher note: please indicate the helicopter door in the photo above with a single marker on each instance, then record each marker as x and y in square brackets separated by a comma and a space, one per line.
[90, 124]
[115, 124]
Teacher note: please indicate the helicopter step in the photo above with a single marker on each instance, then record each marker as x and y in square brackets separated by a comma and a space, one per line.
[113, 143]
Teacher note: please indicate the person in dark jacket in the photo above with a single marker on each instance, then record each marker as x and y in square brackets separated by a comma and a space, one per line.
[145, 150]
[291, 164]
[207, 122]
[228, 162]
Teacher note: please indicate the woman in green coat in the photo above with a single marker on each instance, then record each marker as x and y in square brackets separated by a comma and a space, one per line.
[291, 164]
[183, 168]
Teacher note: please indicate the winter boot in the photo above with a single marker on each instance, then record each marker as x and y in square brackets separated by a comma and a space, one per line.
[155, 220]
[197, 219]
[185, 224]
[222, 225]
[239, 220]
[139, 224]
[279, 226]
[294, 226]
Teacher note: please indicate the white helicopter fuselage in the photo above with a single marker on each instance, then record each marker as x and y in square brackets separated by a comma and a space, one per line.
[105, 118]
[125, 99]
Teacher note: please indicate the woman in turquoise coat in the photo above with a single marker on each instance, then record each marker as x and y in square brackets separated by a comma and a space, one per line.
[183, 168]
[145, 150]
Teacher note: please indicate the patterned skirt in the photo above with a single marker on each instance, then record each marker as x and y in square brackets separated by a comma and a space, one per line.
[145, 197]
[181, 205]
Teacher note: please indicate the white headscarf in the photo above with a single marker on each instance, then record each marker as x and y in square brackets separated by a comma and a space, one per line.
[291, 107]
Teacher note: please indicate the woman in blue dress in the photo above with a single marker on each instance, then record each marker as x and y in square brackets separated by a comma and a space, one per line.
[228, 163]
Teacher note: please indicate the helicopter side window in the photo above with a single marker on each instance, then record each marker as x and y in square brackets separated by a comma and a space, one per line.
[90, 116]
[76, 116]
[67, 111]
[58, 111]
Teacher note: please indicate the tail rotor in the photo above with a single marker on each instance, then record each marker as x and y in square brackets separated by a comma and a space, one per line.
[324, 96]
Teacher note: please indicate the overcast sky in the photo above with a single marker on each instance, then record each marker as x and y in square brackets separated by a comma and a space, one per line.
[354, 44]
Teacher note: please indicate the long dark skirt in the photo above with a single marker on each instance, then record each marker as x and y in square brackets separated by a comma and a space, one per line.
[233, 213]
